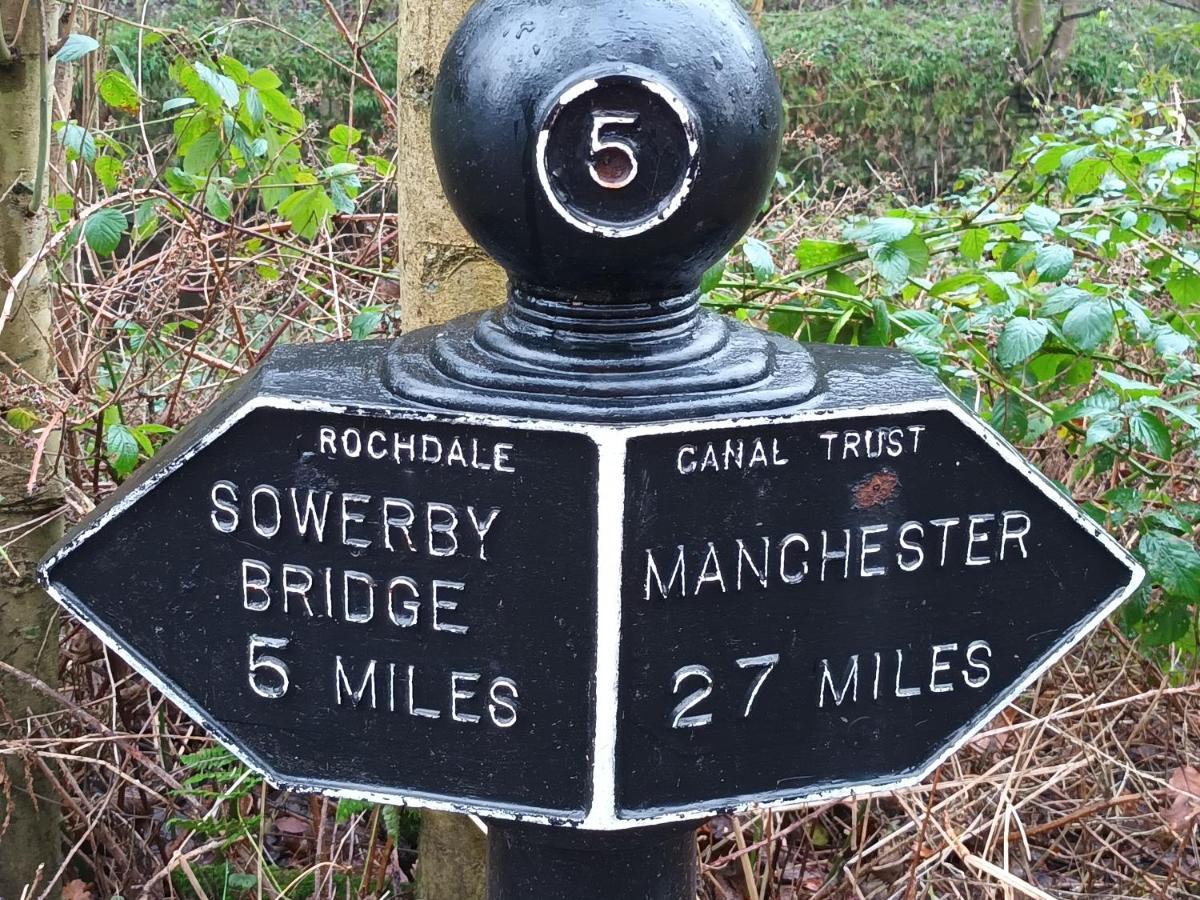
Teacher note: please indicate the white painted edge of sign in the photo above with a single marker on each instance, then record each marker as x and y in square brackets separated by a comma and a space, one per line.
[611, 441]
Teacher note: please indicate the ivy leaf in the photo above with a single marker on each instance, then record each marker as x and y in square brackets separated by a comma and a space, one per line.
[1020, 339]
[1089, 324]
[1148, 431]
[1173, 563]
[118, 91]
[1053, 262]
[758, 255]
[1085, 176]
[75, 47]
[812, 253]
[884, 230]
[121, 447]
[1039, 219]
[103, 230]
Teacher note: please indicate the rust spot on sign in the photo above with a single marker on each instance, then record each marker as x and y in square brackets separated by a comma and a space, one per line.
[876, 489]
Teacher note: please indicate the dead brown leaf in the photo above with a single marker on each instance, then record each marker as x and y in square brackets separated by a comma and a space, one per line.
[77, 890]
[1185, 806]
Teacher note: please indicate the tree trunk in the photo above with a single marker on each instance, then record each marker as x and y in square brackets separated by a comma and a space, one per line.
[28, 621]
[443, 275]
[1029, 23]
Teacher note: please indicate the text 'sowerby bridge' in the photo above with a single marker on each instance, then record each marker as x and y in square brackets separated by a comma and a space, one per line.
[596, 558]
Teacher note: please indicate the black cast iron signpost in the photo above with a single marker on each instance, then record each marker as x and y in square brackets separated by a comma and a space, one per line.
[597, 558]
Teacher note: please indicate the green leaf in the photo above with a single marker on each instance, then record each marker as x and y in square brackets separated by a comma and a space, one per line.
[758, 255]
[1064, 298]
[1039, 219]
[344, 135]
[1089, 324]
[712, 277]
[103, 230]
[1020, 339]
[1008, 416]
[811, 253]
[927, 351]
[917, 251]
[1184, 288]
[1085, 176]
[1129, 387]
[839, 281]
[121, 447]
[307, 210]
[20, 418]
[79, 141]
[216, 201]
[365, 324]
[1165, 624]
[1102, 428]
[890, 261]
[1099, 403]
[202, 154]
[884, 230]
[1053, 262]
[1173, 563]
[264, 80]
[224, 86]
[279, 108]
[1166, 406]
[973, 242]
[881, 324]
[108, 170]
[1148, 431]
[1170, 342]
[347, 809]
[1051, 158]
[254, 106]
[1104, 126]
[76, 46]
[118, 91]
[177, 103]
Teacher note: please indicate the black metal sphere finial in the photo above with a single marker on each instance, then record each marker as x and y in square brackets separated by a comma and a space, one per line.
[606, 150]
[605, 153]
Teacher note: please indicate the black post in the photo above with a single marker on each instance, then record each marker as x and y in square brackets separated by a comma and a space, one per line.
[538, 862]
